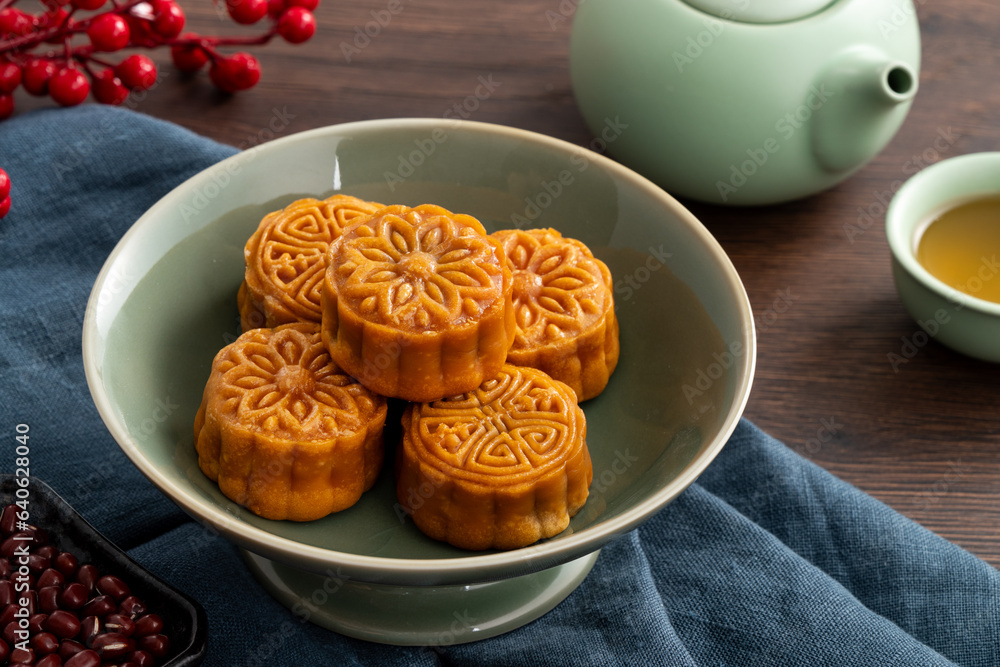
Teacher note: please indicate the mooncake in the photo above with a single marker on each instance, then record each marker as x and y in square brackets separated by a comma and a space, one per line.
[564, 309]
[283, 430]
[285, 259]
[417, 303]
[499, 467]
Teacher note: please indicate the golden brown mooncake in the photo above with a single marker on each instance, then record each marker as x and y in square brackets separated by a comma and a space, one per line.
[416, 303]
[499, 467]
[283, 430]
[564, 309]
[286, 256]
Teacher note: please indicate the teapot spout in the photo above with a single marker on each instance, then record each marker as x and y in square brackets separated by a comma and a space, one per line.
[867, 96]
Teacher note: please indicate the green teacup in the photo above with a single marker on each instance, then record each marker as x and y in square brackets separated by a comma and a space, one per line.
[954, 318]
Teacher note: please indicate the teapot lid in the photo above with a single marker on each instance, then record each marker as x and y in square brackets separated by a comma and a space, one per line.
[760, 11]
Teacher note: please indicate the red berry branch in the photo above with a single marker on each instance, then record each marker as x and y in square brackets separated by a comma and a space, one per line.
[62, 51]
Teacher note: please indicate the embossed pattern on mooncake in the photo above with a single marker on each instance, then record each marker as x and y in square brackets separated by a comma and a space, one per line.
[564, 309]
[417, 303]
[283, 430]
[285, 259]
[499, 467]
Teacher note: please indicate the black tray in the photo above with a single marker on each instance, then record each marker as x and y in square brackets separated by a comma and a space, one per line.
[185, 622]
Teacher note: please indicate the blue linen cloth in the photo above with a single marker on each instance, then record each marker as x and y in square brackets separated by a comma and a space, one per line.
[766, 560]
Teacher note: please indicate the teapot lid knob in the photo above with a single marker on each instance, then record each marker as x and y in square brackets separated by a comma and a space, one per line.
[760, 11]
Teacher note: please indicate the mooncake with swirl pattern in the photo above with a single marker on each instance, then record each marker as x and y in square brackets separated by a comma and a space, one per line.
[500, 467]
[417, 303]
[285, 259]
[283, 430]
[564, 309]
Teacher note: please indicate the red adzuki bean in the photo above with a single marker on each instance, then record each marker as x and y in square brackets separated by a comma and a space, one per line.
[121, 624]
[150, 624]
[87, 575]
[77, 615]
[63, 624]
[102, 605]
[86, 658]
[114, 587]
[51, 660]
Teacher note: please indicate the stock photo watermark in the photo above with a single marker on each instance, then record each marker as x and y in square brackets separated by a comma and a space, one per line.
[551, 190]
[869, 215]
[563, 12]
[628, 284]
[365, 34]
[424, 148]
[785, 128]
[714, 371]
[695, 45]
[781, 304]
[222, 175]
[86, 140]
[912, 344]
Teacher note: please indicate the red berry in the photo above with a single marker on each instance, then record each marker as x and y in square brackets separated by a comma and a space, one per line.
[10, 77]
[69, 86]
[109, 89]
[311, 5]
[50, 19]
[168, 18]
[188, 58]
[275, 7]
[297, 25]
[36, 76]
[87, 4]
[140, 28]
[236, 72]
[108, 32]
[14, 22]
[6, 105]
[247, 11]
[137, 72]
[4, 206]
[4, 184]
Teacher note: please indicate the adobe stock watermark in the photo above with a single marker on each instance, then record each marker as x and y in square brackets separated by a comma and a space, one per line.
[364, 34]
[551, 190]
[945, 138]
[85, 140]
[563, 12]
[303, 609]
[424, 149]
[898, 16]
[781, 304]
[696, 45]
[785, 127]
[222, 175]
[101, 473]
[119, 280]
[714, 371]
[628, 284]
[956, 471]
[826, 431]
[911, 345]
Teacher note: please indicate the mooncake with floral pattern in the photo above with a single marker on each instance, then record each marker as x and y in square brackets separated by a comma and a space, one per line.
[283, 430]
[417, 303]
[564, 309]
[500, 467]
[285, 260]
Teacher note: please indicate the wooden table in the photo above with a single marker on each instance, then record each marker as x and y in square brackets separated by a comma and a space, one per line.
[923, 436]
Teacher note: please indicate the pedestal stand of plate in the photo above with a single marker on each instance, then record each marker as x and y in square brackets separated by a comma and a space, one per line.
[419, 615]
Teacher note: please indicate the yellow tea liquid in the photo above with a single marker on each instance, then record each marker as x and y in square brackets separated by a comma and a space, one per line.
[961, 247]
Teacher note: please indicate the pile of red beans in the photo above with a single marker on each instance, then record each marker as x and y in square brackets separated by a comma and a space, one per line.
[56, 611]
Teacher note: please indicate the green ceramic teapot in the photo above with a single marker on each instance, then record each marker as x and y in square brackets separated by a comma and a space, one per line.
[744, 102]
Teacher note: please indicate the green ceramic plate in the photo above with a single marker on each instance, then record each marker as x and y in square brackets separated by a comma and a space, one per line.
[165, 303]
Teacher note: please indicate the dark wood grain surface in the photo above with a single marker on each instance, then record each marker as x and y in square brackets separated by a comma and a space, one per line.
[923, 436]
